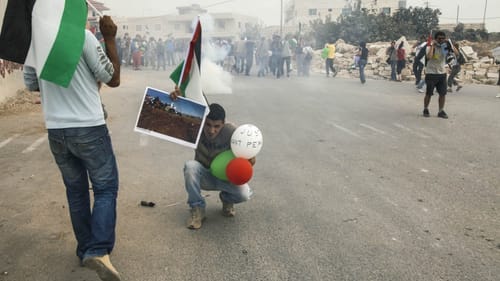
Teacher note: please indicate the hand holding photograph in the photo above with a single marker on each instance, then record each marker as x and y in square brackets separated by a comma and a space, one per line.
[180, 121]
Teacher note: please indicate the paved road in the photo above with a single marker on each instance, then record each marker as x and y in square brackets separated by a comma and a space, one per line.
[351, 184]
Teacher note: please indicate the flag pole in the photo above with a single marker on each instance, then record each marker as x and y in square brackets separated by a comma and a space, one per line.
[94, 8]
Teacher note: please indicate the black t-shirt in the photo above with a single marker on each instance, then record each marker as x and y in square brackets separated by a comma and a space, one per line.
[364, 53]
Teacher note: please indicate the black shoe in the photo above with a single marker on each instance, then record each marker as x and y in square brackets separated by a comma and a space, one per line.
[426, 113]
[442, 114]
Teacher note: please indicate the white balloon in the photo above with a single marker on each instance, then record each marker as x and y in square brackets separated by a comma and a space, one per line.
[246, 141]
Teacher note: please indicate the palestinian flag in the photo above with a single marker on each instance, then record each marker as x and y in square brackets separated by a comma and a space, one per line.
[57, 36]
[429, 39]
[15, 31]
[187, 75]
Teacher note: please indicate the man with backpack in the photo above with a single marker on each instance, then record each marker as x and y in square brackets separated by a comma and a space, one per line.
[435, 74]
[454, 63]
[419, 63]
[328, 53]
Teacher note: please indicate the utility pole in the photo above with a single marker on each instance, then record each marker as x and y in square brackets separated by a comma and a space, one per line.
[458, 11]
[484, 15]
[281, 20]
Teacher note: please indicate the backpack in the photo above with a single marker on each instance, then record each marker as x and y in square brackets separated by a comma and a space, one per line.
[421, 53]
[461, 58]
[324, 53]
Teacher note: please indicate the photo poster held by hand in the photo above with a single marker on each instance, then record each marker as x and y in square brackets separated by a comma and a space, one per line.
[180, 121]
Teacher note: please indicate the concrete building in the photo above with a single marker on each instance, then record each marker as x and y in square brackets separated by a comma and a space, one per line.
[304, 11]
[92, 15]
[180, 26]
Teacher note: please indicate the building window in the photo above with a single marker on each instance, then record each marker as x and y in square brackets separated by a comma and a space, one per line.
[313, 12]
[125, 27]
[346, 11]
[386, 11]
[138, 28]
[221, 24]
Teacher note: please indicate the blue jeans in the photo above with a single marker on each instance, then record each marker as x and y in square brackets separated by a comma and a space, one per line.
[329, 66]
[362, 64]
[198, 177]
[83, 154]
[394, 64]
[418, 67]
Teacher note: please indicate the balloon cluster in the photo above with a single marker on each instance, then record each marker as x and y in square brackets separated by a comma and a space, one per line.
[233, 165]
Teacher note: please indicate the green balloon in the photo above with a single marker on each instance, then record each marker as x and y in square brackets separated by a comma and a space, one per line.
[219, 164]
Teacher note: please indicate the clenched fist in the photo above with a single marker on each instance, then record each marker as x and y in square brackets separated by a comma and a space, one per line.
[108, 27]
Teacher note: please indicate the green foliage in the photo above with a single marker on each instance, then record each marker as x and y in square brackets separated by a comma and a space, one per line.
[361, 25]
[474, 35]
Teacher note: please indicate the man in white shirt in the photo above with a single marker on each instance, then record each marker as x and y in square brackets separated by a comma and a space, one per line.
[81, 145]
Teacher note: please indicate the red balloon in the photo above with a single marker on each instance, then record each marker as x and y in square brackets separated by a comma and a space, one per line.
[239, 171]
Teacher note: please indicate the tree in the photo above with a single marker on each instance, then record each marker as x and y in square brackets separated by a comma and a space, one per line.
[460, 33]
[363, 25]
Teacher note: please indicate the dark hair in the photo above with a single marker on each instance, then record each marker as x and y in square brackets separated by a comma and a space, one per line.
[439, 33]
[217, 112]
[401, 44]
[362, 44]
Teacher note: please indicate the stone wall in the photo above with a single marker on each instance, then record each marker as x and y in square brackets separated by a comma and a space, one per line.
[479, 70]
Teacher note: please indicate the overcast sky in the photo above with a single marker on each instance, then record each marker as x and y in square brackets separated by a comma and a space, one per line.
[269, 10]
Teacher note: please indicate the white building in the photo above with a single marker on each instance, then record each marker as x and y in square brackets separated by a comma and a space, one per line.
[304, 11]
[223, 25]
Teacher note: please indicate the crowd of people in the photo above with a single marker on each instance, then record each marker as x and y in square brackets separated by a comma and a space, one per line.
[273, 56]
[154, 53]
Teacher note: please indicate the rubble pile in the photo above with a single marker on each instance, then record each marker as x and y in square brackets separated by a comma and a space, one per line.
[478, 69]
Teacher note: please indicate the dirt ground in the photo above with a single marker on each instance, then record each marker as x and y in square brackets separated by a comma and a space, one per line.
[22, 101]
[171, 124]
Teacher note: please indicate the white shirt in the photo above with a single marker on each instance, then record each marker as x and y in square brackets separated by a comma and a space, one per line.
[79, 105]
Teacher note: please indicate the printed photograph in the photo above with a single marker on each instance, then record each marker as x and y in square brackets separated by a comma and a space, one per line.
[180, 121]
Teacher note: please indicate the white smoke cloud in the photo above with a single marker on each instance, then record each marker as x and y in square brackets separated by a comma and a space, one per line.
[214, 79]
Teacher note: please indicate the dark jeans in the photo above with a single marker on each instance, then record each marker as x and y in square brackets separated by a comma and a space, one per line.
[453, 74]
[362, 64]
[394, 64]
[275, 64]
[401, 65]
[418, 67]
[160, 61]
[329, 66]
[83, 154]
[285, 61]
